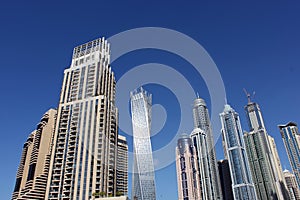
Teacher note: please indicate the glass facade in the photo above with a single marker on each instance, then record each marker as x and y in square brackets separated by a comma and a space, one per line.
[260, 157]
[242, 184]
[143, 183]
[203, 141]
[291, 139]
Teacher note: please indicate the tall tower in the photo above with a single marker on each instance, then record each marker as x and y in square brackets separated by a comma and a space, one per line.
[202, 138]
[122, 166]
[291, 139]
[278, 168]
[83, 160]
[143, 184]
[187, 170]
[34, 166]
[292, 185]
[260, 156]
[242, 184]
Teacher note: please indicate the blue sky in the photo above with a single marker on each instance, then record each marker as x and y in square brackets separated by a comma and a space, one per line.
[255, 46]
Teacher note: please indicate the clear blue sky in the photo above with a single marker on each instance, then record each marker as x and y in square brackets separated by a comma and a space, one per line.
[255, 46]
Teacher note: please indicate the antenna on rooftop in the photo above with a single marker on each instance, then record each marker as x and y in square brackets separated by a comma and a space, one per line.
[248, 95]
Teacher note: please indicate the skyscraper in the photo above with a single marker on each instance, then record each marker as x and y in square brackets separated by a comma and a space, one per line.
[278, 168]
[34, 166]
[187, 170]
[203, 141]
[242, 184]
[143, 184]
[84, 153]
[291, 139]
[122, 166]
[225, 179]
[292, 185]
[260, 156]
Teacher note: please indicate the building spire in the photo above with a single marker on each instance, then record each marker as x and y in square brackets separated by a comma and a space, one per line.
[248, 95]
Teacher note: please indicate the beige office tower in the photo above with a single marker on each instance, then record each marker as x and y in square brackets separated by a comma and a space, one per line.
[281, 184]
[189, 186]
[31, 179]
[122, 166]
[291, 185]
[83, 162]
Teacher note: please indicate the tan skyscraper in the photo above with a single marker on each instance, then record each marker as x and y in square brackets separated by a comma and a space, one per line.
[291, 185]
[31, 179]
[122, 166]
[83, 160]
[280, 180]
[187, 170]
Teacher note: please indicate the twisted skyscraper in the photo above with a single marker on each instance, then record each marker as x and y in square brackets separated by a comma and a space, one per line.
[203, 140]
[143, 184]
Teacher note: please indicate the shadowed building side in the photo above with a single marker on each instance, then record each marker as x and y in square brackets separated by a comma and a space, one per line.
[33, 170]
[225, 179]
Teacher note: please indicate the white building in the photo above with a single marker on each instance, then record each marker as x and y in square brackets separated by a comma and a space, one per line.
[143, 183]
[242, 184]
[83, 161]
[203, 141]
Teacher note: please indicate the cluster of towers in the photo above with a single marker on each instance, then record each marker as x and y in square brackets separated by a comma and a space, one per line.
[251, 168]
[76, 151]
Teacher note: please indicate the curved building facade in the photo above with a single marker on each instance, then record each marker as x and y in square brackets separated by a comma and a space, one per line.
[143, 183]
[187, 170]
[203, 141]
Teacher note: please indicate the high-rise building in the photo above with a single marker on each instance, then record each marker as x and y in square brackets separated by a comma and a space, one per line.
[203, 141]
[225, 179]
[278, 168]
[291, 139]
[122, 166]
[242, 184]
[143, 184]
[292, 185]
[267, 185]
[83, 160]
[33, 170]
[187, 170]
